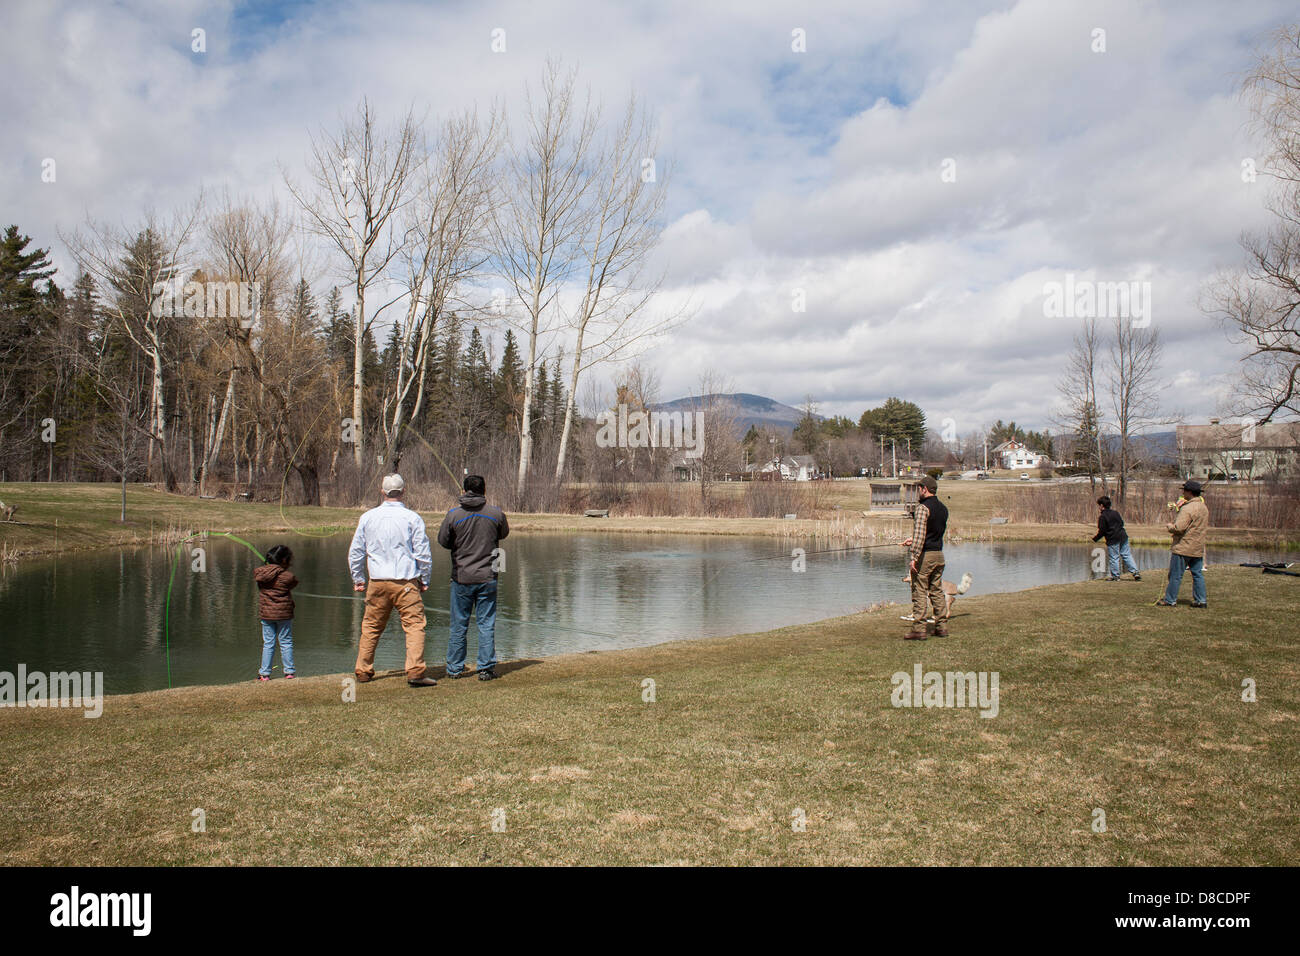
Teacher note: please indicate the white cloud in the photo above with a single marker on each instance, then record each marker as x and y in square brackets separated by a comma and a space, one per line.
[816, 171]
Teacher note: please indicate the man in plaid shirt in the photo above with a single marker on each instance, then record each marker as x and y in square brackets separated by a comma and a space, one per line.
[926, 561]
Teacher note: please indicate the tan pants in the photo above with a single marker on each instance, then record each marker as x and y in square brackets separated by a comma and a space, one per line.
[381, 598]
[927, 581]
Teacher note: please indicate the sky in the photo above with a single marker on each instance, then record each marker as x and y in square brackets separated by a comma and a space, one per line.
[866, 199]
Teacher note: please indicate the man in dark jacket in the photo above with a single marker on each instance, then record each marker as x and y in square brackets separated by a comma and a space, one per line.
[471, 532]
[926, 561]
[1110, 525]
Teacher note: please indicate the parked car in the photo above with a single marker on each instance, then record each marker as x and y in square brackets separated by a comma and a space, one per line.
[982, 475]
[1024, 476]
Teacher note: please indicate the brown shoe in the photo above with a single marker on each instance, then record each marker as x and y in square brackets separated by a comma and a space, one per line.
[364, 678]
[940, 630]
[915, 634]
[423, 682]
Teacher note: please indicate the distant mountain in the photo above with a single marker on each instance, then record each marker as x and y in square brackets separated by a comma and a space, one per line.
[1155, 448]
[750, 410]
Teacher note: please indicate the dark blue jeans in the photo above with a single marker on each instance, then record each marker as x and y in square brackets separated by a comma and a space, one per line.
[465, 599]
[1177, 566]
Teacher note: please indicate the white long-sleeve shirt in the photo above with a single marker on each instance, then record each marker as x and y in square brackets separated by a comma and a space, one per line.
[392, 544]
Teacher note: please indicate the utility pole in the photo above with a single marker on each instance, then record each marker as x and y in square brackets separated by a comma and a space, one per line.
[986, 452]
[893, 453]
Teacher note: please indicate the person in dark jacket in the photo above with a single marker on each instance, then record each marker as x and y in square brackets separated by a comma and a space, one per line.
[1110, 525]
[926, 562]
[472, 532]
[275, 607]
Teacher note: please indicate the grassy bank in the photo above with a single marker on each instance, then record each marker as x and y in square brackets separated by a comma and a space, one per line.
[75, 517]
[1105, 702]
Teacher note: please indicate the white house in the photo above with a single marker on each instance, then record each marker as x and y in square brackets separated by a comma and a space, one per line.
[1015, 456]
[792, 467]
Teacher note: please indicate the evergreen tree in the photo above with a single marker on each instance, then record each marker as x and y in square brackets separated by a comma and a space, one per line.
[509, 386]
[476, 392]
[304, 319]
[21, 314]
[556, 398]
[392, 355]
[338, 330]
[542, 391]
[445, 382]
[896, 421]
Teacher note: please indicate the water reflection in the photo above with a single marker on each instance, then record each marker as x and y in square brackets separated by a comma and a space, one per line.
[560, 593]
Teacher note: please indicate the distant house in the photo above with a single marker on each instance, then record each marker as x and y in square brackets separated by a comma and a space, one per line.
[1234, 449]
[791, 468]
[685, 466]
[1013, 456]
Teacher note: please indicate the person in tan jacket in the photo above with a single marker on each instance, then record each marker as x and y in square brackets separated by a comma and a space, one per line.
[1187, 552]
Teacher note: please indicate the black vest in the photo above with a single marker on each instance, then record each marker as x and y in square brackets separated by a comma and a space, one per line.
[936, 524]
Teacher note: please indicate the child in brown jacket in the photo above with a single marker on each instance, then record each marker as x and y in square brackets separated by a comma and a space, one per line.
[275, 606]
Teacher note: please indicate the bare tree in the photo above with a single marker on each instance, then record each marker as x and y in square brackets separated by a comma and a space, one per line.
[447, 250]
[540, 219]
[717, 444]
[612, 321]
[1134, 390]
[247, 243]
[1260, 303]
[1081, 416]
[117, 429]
[137, 267]
[360, 178]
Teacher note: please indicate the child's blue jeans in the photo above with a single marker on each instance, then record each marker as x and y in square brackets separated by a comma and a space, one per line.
[273, 631]
[1118, 552]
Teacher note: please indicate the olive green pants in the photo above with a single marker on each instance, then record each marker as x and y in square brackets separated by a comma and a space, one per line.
[927, 581]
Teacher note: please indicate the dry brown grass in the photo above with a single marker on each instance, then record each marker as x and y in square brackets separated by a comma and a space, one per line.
[1106, 702]
[86, 517]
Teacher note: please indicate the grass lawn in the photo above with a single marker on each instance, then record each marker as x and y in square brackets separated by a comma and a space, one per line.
[1105, 703]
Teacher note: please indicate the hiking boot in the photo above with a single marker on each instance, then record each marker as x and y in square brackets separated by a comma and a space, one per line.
[1194, 604]
[916, 634]
[423, 682]
[940, 630]
[488, 674]
[1136, 576]
[458, 675]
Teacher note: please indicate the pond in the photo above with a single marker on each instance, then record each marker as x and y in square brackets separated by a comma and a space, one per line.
[560, 593]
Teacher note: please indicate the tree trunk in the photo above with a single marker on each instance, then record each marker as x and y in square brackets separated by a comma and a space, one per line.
[310, 479]
[227, 406]
[526, 429]
[568, 408]
[358, 377]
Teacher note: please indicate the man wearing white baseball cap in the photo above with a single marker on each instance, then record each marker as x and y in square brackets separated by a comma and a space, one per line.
[392, 545]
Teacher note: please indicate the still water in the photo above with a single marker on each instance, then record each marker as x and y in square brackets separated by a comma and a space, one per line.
[110, 612]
